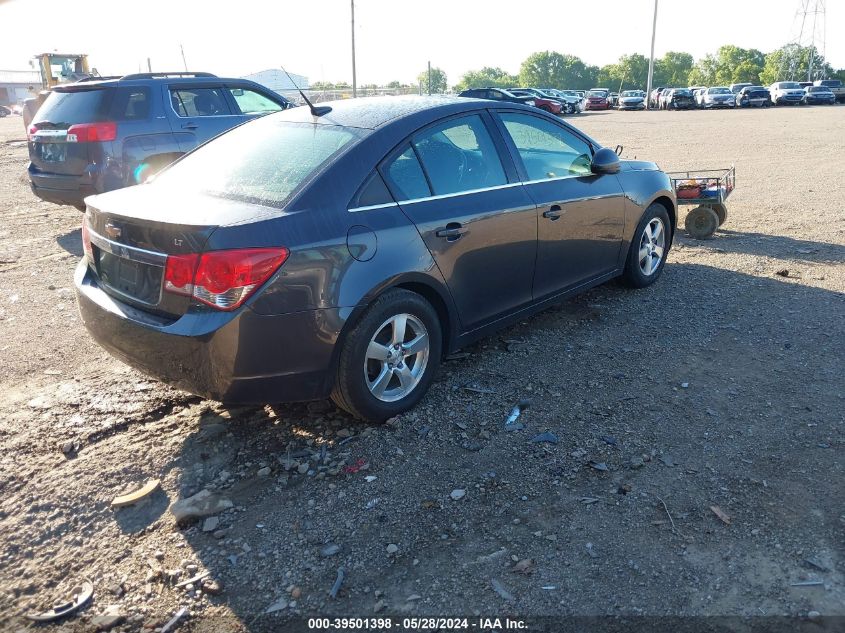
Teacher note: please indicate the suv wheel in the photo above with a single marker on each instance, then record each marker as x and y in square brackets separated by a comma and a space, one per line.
[389, 358]
[649, 248]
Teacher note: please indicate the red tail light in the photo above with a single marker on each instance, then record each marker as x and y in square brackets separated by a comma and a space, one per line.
[86, 241]
[31, 131]
[222, 279]
[92, 132]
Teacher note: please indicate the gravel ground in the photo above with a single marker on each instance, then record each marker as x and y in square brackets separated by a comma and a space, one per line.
[720, 386]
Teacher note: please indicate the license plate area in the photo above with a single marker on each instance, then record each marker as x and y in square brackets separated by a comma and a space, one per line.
[52, 152]
[134, 280]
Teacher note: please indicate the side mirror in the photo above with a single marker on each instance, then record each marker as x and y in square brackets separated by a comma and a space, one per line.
[605, 161]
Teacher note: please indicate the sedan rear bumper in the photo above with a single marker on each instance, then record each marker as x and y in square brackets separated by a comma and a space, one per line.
[235, 357]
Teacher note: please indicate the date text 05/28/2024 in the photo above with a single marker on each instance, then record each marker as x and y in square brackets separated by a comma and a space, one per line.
[491, 625]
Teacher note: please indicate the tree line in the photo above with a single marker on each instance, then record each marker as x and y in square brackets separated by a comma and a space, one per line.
[550, 69]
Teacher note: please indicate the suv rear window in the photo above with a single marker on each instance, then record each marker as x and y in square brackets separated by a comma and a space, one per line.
[67, 107]
[831, 83]
[261, 162]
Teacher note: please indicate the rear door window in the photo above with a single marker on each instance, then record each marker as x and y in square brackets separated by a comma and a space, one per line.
[197, 102]
[131, 104]
[252, 102]
[64, 108]
[406, 176]
[547, 150]
[459, 155]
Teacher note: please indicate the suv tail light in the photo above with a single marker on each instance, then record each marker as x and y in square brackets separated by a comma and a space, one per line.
[222, 279]
[92, 132]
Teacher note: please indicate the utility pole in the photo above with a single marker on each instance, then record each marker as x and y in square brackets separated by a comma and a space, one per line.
[354, 78]
[149, 66]
[429, 78]
[651, 60]
[183, 57]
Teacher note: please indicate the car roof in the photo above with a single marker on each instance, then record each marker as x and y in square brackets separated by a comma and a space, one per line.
[373, 112]
[144, 79]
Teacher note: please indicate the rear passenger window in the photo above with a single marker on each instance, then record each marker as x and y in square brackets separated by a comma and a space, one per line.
[406, 176]
[193, 102]
[459, 155]
[373, 192]
[131, 104]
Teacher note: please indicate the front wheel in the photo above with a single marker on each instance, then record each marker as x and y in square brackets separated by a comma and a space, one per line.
[649, 248]
[389, 358]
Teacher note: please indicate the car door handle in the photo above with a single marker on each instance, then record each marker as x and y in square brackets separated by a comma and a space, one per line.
[553, 213]
[452, 232]
[189, 126]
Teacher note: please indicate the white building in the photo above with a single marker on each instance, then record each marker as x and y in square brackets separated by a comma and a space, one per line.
[276, 79]
[17, 85]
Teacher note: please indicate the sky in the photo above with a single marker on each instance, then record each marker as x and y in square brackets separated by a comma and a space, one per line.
[394, 38]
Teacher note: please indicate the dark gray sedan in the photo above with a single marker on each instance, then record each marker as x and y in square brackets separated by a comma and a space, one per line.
[345, 253]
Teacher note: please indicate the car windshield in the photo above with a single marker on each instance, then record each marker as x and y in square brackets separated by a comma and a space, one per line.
[631, 93]
[597, 93]
[789, 85]
[683, 92]
[261, 162]
[719, 91]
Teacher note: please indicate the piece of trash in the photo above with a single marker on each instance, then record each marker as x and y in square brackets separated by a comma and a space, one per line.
[370, 478]
[684, 385]
[525, 566]
[590, 552]
[807, 583]
[499, 588]
[588, 500]
[372, 503]
[783, 272]
[812, 562]
[724, 518]
[457, 493]
[195, 579]
[174, 620]
[548, 587]
[549, 438]
[330, 550]
[341, 574]
[80, 595]
[354, 468]
[511, 423]
[598, 465]
[134, 497]
[278, 605]
[476, 389]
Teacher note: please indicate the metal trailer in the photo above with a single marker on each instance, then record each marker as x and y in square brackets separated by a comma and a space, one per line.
[706, 190]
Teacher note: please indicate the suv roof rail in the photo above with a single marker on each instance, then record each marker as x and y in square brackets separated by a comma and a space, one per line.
[97, 78]
[167, 74]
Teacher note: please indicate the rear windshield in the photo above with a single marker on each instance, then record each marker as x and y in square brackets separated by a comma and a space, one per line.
[831, 83]
[719, 91]
[262, 162]
[77, 106]
[818, 89]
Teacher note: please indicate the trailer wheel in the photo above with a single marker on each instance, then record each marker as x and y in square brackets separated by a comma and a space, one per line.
[721, 212]
[701, 223]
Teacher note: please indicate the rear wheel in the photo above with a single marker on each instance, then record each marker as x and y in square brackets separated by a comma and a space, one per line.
[649, 248]
[389, 357]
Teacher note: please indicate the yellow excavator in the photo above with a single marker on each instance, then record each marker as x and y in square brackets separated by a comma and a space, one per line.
[55, 69]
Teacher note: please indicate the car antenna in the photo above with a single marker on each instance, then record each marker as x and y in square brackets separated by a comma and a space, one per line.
[315, 110]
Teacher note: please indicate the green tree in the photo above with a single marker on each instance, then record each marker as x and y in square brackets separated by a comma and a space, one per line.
[730, 65]
[438, 81]
[792, 63]
[394, 84]
[486, 78]
[631, 71]
[549, 69]
[673, 69]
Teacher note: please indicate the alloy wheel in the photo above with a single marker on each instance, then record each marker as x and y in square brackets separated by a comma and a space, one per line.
[396, 357]
[652, 246]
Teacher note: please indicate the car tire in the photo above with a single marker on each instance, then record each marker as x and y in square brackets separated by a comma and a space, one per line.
[701, 223]
[371, 387]
[642, 267]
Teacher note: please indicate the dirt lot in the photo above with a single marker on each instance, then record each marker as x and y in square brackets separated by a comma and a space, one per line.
[722, 385]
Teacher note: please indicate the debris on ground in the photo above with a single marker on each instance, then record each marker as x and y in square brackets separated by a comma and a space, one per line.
[724, 518]
[598, 465]
[341, 574]
[547, 437]
[171, 624]
[512, 424]
[204, 503]
[524, 566]
[457, 493]
[80, 595]
[134, 497]
[109, 618]
[499, 588]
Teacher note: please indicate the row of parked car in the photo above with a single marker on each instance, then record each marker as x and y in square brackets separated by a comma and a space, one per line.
[560, 102]
[823, 92]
